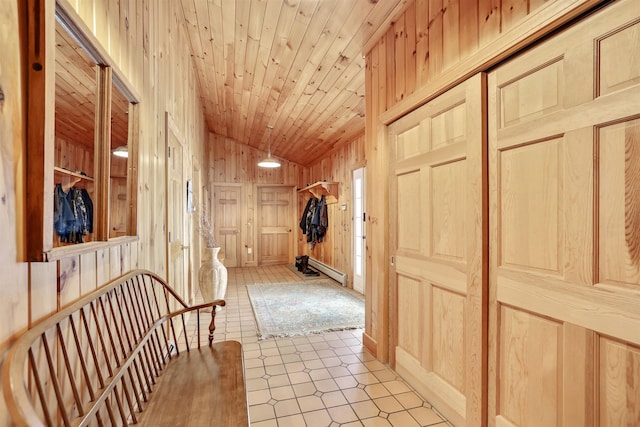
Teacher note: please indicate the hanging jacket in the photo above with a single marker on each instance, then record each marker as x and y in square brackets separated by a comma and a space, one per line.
[303, 219]
[313, 204]
[88, 203]
[72, 214]
[320, 220]
[63, 218]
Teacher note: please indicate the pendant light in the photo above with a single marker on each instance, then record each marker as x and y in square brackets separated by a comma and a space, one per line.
[121, 151]
[269, 162]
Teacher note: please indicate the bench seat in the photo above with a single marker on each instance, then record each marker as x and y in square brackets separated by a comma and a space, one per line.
[200, 388]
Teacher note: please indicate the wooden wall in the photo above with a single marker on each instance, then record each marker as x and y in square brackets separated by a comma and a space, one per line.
[337, 166]
[229, 162]
[147, 41]
[233, 163]
[432, 46]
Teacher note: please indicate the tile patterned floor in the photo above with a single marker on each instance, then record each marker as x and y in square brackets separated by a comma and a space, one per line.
[314, 380]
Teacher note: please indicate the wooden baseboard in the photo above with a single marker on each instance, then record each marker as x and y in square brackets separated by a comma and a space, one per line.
[370, 344]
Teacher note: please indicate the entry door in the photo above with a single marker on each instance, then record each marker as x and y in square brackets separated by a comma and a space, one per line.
[565, 228]
[358, 230]
[437, 236]
[275, 214]
[227, 219]
[177, 255]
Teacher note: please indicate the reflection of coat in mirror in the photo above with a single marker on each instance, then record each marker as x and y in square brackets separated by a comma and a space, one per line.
[72, 214]
[63, 218]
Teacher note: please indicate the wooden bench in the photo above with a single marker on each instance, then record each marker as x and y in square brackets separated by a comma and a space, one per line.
[111, 359]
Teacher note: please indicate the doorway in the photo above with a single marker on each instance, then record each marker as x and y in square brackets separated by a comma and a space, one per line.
[227, 201]
[275, 219]
[177, 255]
[359, 237]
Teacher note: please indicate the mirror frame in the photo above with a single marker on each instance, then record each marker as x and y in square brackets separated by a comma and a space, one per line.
[39, 88]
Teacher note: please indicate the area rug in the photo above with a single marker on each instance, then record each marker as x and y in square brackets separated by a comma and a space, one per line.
[289, 309]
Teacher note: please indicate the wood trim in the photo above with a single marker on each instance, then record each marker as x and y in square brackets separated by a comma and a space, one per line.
[75, 25]
[132, 169]
[39, 122]
[370, 344]
[395, 14]
[85, 248]
[102, 151]
[512, 41]
[233, 184]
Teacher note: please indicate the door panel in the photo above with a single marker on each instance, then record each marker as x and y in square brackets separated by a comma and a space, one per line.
[177, 255]
[564, 189]
[275, 225]
[438, 268]
[227, 219]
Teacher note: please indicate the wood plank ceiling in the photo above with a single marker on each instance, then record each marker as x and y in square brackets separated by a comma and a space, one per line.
[296, 65]
[76, 96]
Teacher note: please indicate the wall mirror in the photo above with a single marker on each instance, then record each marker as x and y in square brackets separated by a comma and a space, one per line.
[75, 141]
[119, 221]
[83, 133]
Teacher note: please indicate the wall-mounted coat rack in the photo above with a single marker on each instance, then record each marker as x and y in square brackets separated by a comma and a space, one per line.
[323, 188]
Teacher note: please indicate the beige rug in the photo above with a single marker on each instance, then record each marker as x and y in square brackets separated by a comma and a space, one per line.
[301, 308]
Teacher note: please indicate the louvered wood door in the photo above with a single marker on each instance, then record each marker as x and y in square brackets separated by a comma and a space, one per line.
[227, 220]
[275, 222]
[565, 228]
[438, 232]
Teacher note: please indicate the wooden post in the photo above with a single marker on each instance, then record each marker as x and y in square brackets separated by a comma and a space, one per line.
[40, 93]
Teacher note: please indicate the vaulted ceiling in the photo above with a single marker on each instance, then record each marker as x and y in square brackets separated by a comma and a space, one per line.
[296, 65]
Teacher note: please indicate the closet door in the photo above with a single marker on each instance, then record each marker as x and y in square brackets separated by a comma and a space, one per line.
[275, 223]
[564, 128]
[227, 201]
[438, 232]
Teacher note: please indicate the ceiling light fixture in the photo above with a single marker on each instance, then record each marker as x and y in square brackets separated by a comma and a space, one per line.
[269, 162]
[121, 151]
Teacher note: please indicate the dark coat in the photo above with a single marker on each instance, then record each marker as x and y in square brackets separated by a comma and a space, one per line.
[320, 220]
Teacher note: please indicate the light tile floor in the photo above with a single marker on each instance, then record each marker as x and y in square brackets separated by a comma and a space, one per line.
[315, 380]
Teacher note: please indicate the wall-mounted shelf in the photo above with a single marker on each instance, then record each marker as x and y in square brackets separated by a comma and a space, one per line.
[323, 188]
[68, 178]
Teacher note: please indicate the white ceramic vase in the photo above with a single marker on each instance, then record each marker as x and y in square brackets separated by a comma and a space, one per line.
[212, 276]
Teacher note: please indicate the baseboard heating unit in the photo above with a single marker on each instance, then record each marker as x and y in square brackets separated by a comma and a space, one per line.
[336, 275]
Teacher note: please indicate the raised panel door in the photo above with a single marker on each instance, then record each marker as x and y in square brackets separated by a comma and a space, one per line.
[275, 222]
[438, 271]
[227, 219]
[564, 138]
